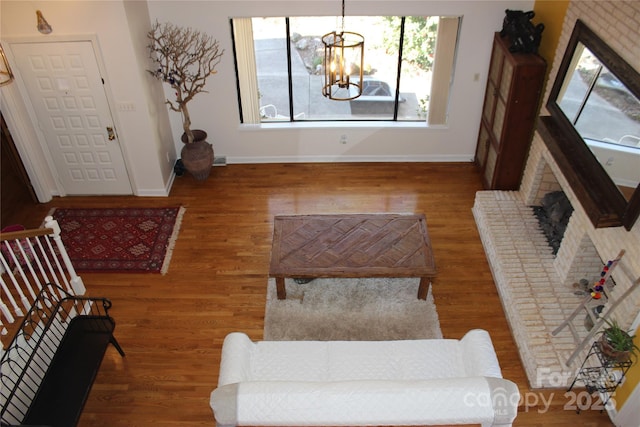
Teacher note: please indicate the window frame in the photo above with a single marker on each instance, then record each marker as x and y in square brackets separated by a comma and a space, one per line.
[255, 118]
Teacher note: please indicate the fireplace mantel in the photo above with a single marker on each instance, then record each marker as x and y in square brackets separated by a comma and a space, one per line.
[600, 199]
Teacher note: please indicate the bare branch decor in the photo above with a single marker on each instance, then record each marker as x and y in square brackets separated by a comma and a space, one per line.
[183, 58]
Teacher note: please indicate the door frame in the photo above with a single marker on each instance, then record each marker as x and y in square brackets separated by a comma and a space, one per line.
[22, 122]
[14, 158]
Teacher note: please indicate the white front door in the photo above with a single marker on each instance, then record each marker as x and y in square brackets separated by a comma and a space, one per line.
[68, 98]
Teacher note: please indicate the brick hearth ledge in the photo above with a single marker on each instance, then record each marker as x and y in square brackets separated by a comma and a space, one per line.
[521, 261]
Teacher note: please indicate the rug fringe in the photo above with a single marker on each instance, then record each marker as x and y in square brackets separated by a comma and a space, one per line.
[172, 241]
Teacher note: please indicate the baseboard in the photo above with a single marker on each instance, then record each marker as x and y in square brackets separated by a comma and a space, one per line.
[465, 158]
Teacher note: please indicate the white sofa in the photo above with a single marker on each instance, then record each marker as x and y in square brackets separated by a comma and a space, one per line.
[359, 383]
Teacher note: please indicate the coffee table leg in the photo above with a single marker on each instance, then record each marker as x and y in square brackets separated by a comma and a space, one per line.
[423, 290]
[282, 292]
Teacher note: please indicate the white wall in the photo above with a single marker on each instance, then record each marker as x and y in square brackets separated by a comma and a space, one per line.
[217, 112]
[122, 50]
[120, 28]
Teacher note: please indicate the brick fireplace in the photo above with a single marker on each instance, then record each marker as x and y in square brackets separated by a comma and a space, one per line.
[578, 256]
[537, 288]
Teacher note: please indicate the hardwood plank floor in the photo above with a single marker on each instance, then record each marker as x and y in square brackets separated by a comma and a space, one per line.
[172, 326]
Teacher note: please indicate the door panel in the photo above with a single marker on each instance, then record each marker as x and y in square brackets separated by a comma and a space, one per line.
[67, 94]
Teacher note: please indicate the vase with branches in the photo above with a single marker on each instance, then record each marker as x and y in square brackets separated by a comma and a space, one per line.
[183, 58]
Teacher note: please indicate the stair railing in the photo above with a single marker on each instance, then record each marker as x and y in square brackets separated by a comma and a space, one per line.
[29, 260]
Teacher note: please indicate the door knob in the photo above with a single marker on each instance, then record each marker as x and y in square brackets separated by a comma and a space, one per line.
[111, 133]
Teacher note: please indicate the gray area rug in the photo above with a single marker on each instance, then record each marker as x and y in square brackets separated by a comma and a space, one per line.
[350, 309]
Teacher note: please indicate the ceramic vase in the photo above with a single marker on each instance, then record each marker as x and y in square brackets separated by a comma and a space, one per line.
[197, 156]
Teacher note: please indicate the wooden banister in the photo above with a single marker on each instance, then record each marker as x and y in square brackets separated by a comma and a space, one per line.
[31, 260]
[25, 234]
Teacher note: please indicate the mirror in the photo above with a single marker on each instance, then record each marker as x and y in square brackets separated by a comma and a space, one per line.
[595, 103]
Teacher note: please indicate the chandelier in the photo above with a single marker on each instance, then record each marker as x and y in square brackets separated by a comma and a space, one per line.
[343, 56]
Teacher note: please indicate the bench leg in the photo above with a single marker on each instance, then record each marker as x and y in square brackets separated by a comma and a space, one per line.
[282, 292]
[423, 290]
[113, 341]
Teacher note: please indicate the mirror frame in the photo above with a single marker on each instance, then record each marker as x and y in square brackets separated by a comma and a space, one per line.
[601, 199]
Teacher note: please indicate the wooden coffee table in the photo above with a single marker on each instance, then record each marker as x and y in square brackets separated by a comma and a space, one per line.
[359, 245]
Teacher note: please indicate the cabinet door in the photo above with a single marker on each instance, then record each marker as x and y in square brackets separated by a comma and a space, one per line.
[495, 69]
[483, 147]
[498, 119]
[492, 157]
[489, 103]
[495, 75]
[505, 79]
[503, 89]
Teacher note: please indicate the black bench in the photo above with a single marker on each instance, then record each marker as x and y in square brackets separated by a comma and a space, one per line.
[52, 361]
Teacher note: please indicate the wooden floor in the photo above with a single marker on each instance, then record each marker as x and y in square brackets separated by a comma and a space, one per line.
[172, 326]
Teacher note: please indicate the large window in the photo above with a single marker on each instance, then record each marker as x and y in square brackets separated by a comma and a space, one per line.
[408, 69]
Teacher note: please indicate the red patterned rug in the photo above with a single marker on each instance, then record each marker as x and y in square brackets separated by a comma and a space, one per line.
[130, 240]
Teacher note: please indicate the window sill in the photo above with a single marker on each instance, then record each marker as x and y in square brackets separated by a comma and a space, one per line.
[339, 125]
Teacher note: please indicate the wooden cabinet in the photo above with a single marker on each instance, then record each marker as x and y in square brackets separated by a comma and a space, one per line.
[510, 109]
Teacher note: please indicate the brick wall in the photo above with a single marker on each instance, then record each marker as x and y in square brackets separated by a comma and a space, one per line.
[618, 24]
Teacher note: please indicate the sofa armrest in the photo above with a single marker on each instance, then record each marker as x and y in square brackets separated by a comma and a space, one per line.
[235, 362]
[370, 402]
[479, 355]
[224, 404]
[505, 397]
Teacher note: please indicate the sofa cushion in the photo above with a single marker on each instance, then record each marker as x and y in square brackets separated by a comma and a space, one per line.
[361, 360]
[272, 403]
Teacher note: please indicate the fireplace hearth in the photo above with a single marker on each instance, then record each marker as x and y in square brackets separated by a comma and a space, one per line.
[536, 286]
[553, 216]
[534, 297]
